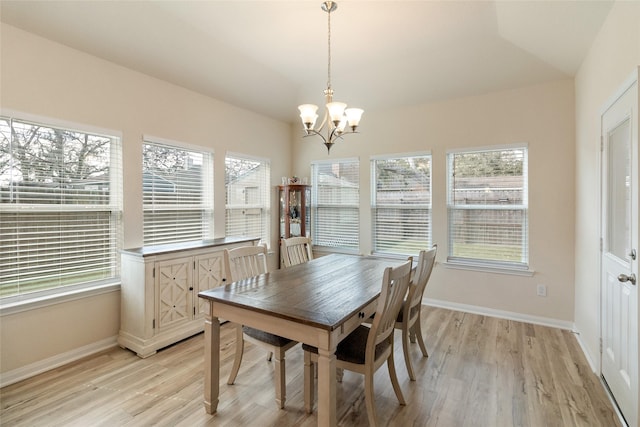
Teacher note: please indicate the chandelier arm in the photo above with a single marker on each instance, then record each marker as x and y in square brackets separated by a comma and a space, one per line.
[325, 120]
[311, 132]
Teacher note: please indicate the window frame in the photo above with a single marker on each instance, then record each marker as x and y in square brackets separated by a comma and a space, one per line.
[485, 264]
[315, 208]
[265, 208]
[41, 298]
[206, 206]
[375, 205]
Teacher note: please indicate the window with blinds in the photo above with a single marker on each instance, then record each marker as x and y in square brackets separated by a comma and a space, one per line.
[401, 202]
[177, 193]
[248, 201]
[335, 204]
[487, 207]
[60, 208]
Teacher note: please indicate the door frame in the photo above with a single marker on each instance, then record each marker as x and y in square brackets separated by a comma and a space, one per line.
[634, 78]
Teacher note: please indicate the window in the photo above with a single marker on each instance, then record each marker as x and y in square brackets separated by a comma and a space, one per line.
[335, 195]
[177, 188]
[487, 207]
[60, 208]
[247, 183]
[401, 199]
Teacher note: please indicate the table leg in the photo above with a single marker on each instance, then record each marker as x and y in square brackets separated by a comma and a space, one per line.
[211, 362]
[327, 388]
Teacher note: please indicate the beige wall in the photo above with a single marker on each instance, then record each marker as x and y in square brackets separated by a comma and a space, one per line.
[46, 79]
[543, 117]
[613, 56]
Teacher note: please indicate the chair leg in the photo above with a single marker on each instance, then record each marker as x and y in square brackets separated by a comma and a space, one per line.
[417, 330]
[238, 357]
[394, 379]
[405, 349]
[280, 379]
[368, 397]
[309, 382]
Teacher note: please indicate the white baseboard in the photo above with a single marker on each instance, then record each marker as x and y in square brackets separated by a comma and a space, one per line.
[587, 354]
[24, 372]
[510, 315]
[39, 367]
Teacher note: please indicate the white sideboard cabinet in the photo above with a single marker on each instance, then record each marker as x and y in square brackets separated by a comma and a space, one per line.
[159, 293]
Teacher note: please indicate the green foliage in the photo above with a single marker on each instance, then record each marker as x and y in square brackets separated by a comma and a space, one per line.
[489, 163]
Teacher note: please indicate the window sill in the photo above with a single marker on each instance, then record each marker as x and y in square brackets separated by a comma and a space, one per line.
[38, 301]
[457, 265]
[326, 250]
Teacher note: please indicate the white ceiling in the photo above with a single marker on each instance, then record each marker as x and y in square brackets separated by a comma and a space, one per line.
[270, 56]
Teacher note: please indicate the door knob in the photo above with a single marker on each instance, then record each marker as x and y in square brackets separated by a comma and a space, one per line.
[630, 278]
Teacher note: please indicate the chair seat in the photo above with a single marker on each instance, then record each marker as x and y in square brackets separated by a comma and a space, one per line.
[266, 336]
[352, 348]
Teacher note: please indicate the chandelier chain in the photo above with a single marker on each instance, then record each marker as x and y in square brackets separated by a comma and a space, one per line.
[329, 49]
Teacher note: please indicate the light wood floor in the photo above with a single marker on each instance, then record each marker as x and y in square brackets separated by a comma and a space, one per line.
[481, 371]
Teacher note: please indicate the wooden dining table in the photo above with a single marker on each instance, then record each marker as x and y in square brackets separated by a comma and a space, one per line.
[318, 303]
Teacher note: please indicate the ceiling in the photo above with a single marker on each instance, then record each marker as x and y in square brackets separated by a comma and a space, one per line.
[270, 56]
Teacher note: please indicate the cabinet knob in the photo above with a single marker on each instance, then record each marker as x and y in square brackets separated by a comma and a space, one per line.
[190, 288]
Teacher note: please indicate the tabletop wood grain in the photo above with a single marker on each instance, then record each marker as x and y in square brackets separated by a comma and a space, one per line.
[321, 293]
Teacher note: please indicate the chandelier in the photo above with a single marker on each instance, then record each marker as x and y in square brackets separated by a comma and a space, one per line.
[336, 115]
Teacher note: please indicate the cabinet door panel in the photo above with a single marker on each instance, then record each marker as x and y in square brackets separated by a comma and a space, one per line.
[209, 274]
[174, 296]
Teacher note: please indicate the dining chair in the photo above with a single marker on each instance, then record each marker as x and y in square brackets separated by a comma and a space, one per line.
[408, 320]
[296, 250]
[242, 263]
[367, 348]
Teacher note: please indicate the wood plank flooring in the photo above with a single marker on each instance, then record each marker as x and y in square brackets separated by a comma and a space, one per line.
[481, 371]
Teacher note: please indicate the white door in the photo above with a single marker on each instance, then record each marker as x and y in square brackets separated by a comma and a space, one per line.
[619, 251]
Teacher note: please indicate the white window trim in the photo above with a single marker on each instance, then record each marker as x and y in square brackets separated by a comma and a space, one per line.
[486, 267]
[19, 303]
[268, 207]
[489, 266]
[396, 155]
[30, 301]
[314, 201]
[247, 157]
[484, 148]
[67, 125]
[372, 181]
[172, 142]
[208, 191]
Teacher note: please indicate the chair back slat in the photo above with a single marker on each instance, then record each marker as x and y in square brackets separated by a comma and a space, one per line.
[244, 262]
[394, 289]
[296, 250]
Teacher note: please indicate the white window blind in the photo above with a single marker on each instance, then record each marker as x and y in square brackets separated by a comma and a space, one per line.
[335, 195]
[177, 193]
[60, 208]
[248, 201]
[401, 198]
[487, 206]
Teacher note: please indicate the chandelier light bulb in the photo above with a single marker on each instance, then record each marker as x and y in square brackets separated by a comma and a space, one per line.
[353, 116]
[336, 111]
[308, 115]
